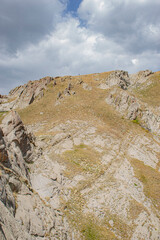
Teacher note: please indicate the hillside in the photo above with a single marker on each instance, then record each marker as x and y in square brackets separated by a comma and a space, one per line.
[80, 158]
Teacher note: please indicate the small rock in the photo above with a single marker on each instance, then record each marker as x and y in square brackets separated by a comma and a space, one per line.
[54, 177]
[111, 223]
[15, 185]
[54, 83]
[59, 95]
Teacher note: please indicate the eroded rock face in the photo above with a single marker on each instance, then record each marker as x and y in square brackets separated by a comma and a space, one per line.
[15, 149]
[140, 77]
[12, 171]
[24, 214]
[24, 95]
[120, 78]
[132, 108]
[17, 136]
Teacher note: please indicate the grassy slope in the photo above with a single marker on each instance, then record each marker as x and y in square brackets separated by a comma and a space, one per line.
[151, 93]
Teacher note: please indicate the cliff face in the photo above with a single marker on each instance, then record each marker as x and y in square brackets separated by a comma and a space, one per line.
[13, 173]
[87, 163]
[23, 215]
[22, 96]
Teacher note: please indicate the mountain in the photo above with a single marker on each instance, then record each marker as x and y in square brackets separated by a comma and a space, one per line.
[80, 158]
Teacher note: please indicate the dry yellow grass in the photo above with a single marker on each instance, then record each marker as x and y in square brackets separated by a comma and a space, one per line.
[89, 226]
[150, 179]
[82, 159]
[150, 94]
[85, 105]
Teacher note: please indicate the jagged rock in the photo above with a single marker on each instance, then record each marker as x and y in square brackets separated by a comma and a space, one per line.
[124, 103]
[67, 92]
[3, 152]
[59, 95]
[120, 78]
[79, 81]
[23, 214]
[17, 136]
[26, 94]
[54, 83]
[6, 196]
[14, 184]
[130, 107]
[137, 79]
[11, 229]
[69, 86]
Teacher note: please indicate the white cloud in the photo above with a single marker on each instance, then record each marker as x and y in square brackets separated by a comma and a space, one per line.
[134, 61]
[113, 38]
[133, 24]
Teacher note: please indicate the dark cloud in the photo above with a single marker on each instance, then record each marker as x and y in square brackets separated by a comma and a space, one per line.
[25, 22]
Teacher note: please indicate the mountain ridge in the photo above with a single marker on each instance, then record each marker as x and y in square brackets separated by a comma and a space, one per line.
[90, 157]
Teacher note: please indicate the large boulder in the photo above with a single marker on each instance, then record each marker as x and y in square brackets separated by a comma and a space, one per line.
[120, 78]
[16, 135]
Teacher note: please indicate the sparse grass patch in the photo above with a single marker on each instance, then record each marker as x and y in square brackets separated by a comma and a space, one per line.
[150, 179]
[2, 115]
[150, 93]
[82, 159]
[88, 225]
[135, 209]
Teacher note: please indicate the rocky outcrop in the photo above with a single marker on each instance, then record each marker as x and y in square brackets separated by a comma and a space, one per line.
[22, 96]
[140, 77]
[15, 150]
[29, 92]
[19, 143]
[124, 103]
[132, 108]
[120, 78]
[25, 214]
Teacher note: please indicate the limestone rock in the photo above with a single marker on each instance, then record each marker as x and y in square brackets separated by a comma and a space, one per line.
[120, 78]
[17, 137]
[130, 107]
[27, 94]
[10, 229]
[137, 79]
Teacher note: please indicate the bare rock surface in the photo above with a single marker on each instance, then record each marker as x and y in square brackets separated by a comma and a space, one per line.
[25, 211]
[141, 77]
[113, 193]
[132, 108]
[120, 78]
[22, 96]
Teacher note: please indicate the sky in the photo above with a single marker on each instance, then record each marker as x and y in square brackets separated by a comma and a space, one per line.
[41, 38]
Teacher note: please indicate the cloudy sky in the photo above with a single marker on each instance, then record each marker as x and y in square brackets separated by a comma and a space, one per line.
[69, 37]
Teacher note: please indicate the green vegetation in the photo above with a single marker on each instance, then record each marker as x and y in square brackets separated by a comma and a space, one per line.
[136, 121]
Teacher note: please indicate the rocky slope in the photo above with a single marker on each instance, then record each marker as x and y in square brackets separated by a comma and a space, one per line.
[87, 164]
